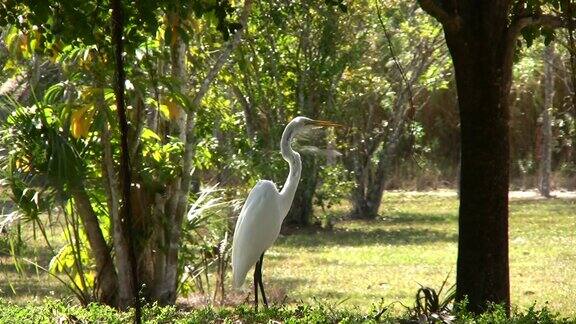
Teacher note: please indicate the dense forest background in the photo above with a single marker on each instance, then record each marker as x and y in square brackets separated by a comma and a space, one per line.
[343, 67]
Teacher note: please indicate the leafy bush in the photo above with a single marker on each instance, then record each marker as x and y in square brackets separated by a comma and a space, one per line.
[432, 307]
[52, 311]
[62, 311]
[332, 189]
[496, 314]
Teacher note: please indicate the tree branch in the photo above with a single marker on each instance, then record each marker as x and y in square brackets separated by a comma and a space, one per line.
[450, 21]
[223, 58]
[549, 21]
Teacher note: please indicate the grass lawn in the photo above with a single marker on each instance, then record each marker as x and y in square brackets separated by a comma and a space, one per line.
[360, 263]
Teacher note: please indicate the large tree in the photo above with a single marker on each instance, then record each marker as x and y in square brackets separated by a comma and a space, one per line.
[161, 129]
[482, 38]
[383, 87]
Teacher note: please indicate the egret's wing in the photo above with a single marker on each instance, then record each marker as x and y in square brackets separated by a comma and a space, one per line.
[256, 229]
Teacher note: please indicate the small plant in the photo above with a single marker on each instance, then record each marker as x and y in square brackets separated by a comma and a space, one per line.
[205, 253]
[431, 307]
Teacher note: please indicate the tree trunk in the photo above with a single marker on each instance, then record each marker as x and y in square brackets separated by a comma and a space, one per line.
[165, 289]
[546, 138]
[366, 206]
[362, 207]
[371, 183]
[178, 64]
[367, 195]
[106, 280]
[121, 246]
[367, 199]
[482, 53]
[125, 225]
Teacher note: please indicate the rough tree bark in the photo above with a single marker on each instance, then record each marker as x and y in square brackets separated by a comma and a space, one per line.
[483, 68]
[545, 167]
[481, 37]
[106, 279]
[481, 45]
[125, 224]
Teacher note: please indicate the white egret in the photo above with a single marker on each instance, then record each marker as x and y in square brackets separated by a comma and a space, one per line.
[265, 208]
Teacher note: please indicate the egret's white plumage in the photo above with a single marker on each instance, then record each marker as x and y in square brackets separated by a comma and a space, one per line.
[265, 208]
[256, 230]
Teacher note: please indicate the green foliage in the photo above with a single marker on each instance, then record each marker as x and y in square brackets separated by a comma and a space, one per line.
[431, 306]
[496, 314]
[41, 149]
[159, 159]
[206, 245]
[334, 187]
[44, 166]
[326, 59]
[57, 310]
[51, 311]
[48, 23]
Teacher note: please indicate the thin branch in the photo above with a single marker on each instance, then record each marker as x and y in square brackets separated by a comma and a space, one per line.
[394, 56]
[569, 13]
[223, 58]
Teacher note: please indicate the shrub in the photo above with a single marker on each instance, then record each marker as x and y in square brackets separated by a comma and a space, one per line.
[64, 311]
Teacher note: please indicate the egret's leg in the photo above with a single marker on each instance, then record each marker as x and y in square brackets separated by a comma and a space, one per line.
[256, 281]
[259, 264]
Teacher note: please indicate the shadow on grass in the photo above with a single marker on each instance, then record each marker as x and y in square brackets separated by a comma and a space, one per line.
[28, 282]
[280, 291]
[542, 200]
[25, 280]
[27, 288]
[412, 218]
[356, 237]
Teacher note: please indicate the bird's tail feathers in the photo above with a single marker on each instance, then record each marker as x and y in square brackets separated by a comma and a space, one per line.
[237, 279]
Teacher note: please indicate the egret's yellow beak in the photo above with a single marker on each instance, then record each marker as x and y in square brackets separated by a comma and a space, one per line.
[325, 123]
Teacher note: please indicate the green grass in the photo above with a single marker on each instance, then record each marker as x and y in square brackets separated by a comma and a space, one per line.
[415, 242]
[360, 264]
[23, 281]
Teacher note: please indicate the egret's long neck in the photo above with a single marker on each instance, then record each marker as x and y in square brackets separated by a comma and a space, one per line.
[295, 163]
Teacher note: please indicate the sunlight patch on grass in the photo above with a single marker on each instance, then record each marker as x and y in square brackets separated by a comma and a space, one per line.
[415, 241]
[359, 263]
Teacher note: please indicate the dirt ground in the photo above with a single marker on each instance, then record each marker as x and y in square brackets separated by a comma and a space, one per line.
[524, 194]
